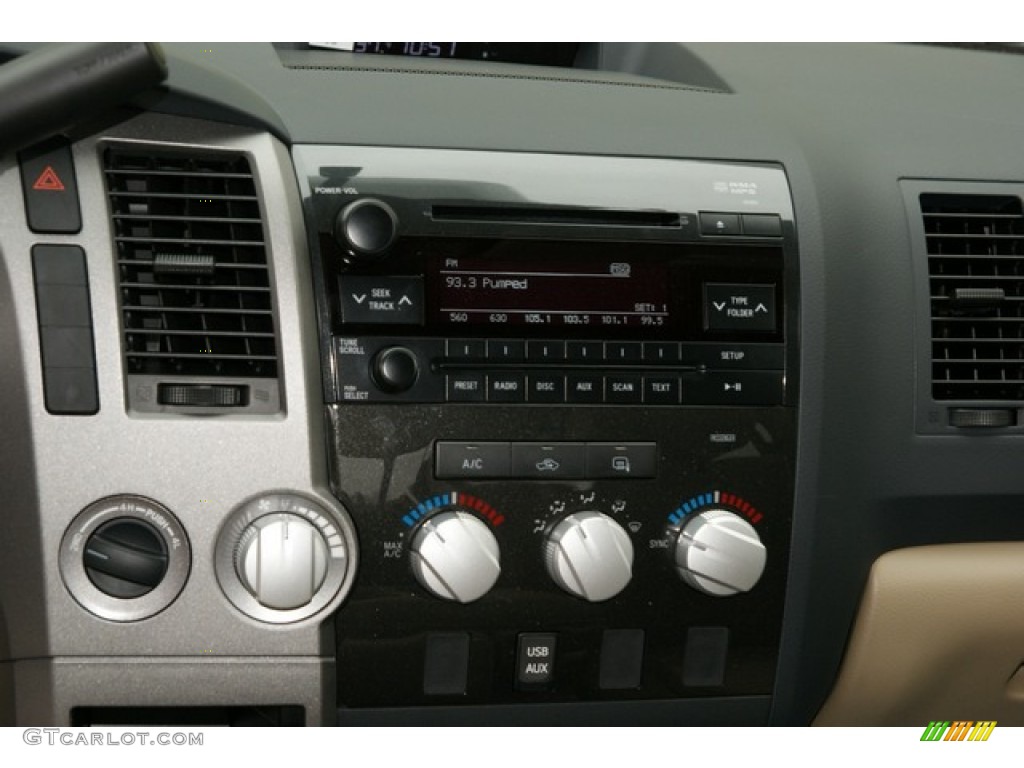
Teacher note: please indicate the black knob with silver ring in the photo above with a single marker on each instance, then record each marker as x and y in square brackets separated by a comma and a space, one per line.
[125, 558]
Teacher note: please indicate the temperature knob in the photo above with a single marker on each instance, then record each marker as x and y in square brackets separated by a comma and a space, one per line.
[455, 556]
[589, 555]
[719, 553]
[282, 560]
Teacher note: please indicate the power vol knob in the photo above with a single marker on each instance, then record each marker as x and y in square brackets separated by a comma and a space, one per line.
[455, 556]
[366, 228]
[719, 553]
[589, 555]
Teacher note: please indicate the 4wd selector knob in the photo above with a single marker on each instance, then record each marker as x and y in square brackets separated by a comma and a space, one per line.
[366, 228]
[719, 553]
[282, 560]
[589, 555]
[455, 556]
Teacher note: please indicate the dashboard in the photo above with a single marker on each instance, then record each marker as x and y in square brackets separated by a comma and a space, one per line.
[449, 383]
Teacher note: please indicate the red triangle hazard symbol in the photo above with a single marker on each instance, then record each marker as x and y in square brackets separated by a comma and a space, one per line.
[49, 181]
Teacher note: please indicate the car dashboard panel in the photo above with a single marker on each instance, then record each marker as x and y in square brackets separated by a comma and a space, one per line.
[351, 388]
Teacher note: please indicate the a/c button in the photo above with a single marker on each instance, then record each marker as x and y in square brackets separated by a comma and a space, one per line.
[458, 460]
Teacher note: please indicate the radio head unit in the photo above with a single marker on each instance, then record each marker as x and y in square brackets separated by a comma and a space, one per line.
[437, 273]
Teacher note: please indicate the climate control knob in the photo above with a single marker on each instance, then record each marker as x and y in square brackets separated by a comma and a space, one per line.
[282, 560]
[589, 555]
[719, 553]
[455, 556]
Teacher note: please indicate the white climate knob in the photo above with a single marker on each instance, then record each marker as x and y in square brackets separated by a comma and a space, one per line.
[455, 556]
[282, 560]
[589, 555]
[719, 553]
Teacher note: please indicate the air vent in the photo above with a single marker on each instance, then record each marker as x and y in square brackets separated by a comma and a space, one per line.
[195, 292]
[975, 247]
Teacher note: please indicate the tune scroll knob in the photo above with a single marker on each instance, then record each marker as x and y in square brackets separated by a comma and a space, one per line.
[589, 555]
[719, 553]
[395, 369]
[281, 560]
[455, 556]
[366, 228]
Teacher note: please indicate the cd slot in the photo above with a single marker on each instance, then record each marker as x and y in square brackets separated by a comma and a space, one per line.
[557, 216]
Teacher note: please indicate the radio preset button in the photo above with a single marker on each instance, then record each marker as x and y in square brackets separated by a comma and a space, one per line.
[505, 351]
[661, 352]
[466, 388]
[622, 460]
[623, 351]
[545, 351]
[458, 460]
[466, 349]
[585, 388]
[584, 351]
[506, 388]
[546, 388]
[548, 461]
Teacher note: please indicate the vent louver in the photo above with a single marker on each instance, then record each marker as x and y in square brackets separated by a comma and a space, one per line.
[975, 247]
[192, 264]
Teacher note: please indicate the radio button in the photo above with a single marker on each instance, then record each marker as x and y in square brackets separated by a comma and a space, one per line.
[661, 390]
[585, 388]
[661, 352]
[545, 351]
[505, 351]
[546, 388]
[455, 461]
[466, 388]
[506, 388]
[623, 389]
[584, 351]
[623, 351]
[548, 461]
[466, 349]
[624, 461]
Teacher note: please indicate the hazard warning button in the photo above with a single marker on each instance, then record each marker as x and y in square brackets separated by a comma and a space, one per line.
[51, 192]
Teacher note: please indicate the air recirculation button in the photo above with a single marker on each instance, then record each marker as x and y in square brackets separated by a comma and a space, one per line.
[125, 558]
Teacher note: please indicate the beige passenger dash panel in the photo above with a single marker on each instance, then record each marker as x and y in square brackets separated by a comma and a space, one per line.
[939, 636]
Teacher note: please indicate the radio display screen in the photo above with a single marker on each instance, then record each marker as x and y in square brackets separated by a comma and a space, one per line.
[604, 292]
